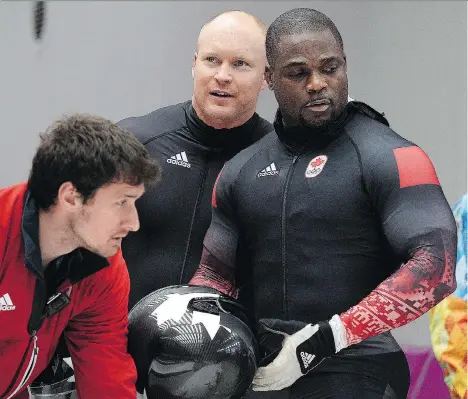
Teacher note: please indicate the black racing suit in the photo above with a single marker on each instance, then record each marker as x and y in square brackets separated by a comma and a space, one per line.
[312, 222]
[175, 213]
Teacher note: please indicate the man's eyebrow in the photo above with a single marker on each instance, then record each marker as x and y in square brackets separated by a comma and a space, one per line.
[295, 62]
[330, 58]
[242, 57]
[301, 61]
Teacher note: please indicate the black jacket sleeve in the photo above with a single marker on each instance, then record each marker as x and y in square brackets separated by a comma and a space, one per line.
[419, 226]
[217, 266]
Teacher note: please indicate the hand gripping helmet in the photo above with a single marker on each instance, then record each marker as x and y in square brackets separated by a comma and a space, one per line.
[191, 342]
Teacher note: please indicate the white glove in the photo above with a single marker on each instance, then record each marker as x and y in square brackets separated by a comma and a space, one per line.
[301, 351]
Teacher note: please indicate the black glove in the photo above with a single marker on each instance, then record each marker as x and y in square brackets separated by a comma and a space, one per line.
[271, 343]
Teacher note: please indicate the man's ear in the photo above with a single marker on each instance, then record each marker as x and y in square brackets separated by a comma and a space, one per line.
[68, 197]
[268, 77]
[193, 63]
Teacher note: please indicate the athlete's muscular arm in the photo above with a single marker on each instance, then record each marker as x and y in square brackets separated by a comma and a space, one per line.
[421, 283]
[420, 227]
[215, 274]
[217, 265]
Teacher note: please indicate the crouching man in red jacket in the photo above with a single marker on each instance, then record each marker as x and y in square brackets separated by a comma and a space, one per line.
[61, 267]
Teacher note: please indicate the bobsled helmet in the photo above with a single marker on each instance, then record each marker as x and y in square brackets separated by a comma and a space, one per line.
[192, 342]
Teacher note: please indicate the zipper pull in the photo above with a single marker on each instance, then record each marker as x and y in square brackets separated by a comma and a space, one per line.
[295, 159]
[34, 337]
[31, 365]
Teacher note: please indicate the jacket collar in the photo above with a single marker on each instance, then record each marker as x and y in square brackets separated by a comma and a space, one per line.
[299, 138]
[75, 266]
[221, 140]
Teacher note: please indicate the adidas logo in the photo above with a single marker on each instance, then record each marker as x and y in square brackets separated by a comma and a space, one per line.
[179, 159]
[6, 303]
[307, 359]
[268, 171]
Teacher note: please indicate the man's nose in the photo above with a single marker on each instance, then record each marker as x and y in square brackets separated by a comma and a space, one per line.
[316, 82]
[223, 74]
[133, 221]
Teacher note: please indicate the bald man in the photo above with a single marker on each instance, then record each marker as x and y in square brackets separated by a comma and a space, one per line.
[192, 141]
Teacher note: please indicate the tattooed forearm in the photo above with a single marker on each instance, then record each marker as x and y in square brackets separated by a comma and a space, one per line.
[215, 274]
[414, 289]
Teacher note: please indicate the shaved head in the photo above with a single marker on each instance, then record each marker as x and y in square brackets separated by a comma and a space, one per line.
[228, 69]
[233, 18]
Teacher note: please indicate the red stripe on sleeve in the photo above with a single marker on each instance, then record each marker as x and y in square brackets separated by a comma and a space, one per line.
[414, 167]
[213, 195]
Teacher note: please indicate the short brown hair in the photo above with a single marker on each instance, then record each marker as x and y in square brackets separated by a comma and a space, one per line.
[89, 151]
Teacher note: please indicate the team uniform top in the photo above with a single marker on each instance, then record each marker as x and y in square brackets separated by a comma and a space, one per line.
[311, 223]
[175, 213]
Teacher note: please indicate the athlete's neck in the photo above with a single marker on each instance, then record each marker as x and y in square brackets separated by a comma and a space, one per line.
[298, 136]
[54, 237]
[220, 123]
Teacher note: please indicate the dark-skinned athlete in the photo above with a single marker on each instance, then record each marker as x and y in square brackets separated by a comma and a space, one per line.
[334, 229]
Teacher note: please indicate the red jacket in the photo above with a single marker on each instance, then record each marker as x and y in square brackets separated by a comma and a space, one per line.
[94, 322]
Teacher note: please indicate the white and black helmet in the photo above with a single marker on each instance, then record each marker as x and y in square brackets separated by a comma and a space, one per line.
[191, 342]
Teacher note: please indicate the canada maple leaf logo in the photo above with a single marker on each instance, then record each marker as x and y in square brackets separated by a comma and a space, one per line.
[315, 166]
[317, 162]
